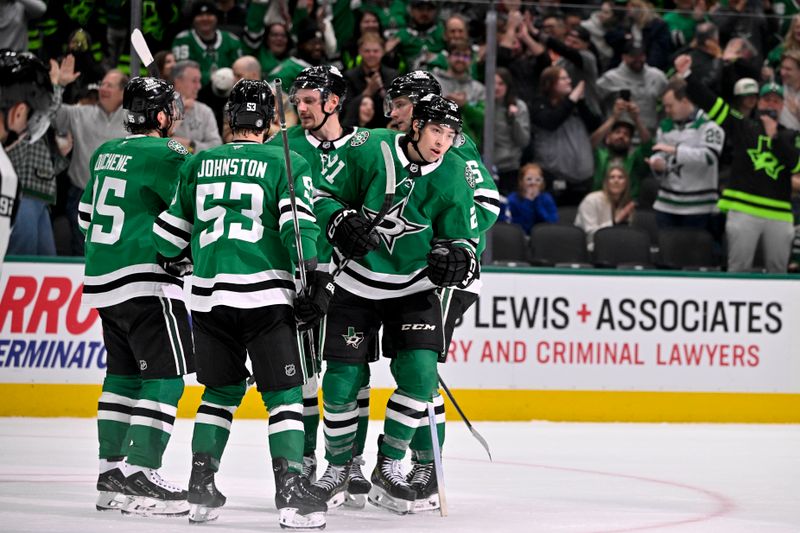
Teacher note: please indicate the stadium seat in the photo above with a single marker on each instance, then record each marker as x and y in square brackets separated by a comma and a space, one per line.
[557, 245]
[508, 244]
[646, 220]
[686, 248]
[566, 215]
[622, 247]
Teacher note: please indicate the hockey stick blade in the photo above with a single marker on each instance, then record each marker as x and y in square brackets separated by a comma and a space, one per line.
[143, 51]
[140, 45]
[388, 198]
[472, 430]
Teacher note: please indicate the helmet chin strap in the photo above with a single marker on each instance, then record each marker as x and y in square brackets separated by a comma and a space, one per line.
[324, 98]
[164, 132]
[414, 142]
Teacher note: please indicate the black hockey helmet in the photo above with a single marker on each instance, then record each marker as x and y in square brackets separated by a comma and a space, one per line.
[145, 97]
[324, 78]
[251, 105]
[413, 85]
[438, 110]
[24, 78]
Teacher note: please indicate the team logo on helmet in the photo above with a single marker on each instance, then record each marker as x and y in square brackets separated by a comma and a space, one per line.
[290, 370]
[359, 138]
[177, 147]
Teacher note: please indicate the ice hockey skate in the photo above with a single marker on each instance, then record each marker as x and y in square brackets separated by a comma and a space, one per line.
[150, 495]
[422, 479]
[357, 485]
[310, 467]
[332, 485]
[205, 500]
[111, 486]
[299, 507]
[389, 487]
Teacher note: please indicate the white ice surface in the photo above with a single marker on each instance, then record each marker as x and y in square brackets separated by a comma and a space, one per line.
[559, 477]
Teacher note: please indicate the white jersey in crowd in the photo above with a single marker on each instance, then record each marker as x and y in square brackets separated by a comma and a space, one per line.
[688, 186]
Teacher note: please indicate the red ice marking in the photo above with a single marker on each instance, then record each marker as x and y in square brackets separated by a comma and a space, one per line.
[723, 504]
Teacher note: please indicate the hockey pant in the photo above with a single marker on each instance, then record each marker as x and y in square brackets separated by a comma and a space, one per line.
[212, 425]
[135, 417]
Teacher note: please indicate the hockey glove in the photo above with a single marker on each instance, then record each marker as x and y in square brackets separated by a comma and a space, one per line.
[177, 266]
[309, 308]
[450, 265]
[347, 231]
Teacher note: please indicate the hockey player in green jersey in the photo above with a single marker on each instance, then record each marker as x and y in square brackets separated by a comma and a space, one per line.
[401, 97]
[424, 241]
[145, 323]
[318, 93]
[233, 215]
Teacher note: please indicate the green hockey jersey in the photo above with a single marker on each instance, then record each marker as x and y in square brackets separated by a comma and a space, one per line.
[431, 202]
[233, 208]
[132, 180]
[225, 49]
[327, 160]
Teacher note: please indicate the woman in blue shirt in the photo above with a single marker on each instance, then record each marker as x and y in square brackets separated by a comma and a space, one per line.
[530, 204]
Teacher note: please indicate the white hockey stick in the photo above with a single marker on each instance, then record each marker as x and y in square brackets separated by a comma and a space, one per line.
[388, 198]
[143, 51]
[437, 459]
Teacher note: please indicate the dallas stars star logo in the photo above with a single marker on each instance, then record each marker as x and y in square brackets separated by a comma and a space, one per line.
[764, 159]
[394, 225]
[353, 338]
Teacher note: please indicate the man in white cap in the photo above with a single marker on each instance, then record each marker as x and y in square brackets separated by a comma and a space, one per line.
[745, 93]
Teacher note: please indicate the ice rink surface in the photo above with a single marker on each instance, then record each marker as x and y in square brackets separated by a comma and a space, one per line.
[559, 477]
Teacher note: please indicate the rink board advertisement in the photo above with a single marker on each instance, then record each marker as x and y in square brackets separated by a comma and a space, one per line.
[538, 345]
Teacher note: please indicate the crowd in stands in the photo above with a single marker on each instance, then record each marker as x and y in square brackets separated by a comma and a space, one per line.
[685, 112]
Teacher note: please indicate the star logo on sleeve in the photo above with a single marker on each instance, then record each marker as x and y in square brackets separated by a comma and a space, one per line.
[395, 225]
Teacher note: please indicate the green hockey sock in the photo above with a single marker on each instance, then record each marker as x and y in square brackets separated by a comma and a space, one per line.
[416, 375]
[212, 424]
[152, 419]
[340, 387]
[114, 413]
[286, 425]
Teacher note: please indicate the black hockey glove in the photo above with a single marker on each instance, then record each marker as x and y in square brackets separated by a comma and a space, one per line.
[309, 308]
[450, 265]
[347, 231]
[177, 266]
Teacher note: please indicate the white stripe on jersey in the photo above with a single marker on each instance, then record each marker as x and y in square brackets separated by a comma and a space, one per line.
[481, 195]
[179, 223]
[169, 237]
[242, 279]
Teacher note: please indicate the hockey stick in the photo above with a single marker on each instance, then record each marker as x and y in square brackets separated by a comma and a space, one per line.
[388, 199]
[437, 459]
[143, 51]
[464, 418]
[295, 220]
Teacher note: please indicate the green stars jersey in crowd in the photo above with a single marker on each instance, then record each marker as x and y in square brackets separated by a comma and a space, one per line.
[132, 181]
[225, 49]
[233, 207]
[431, 202]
